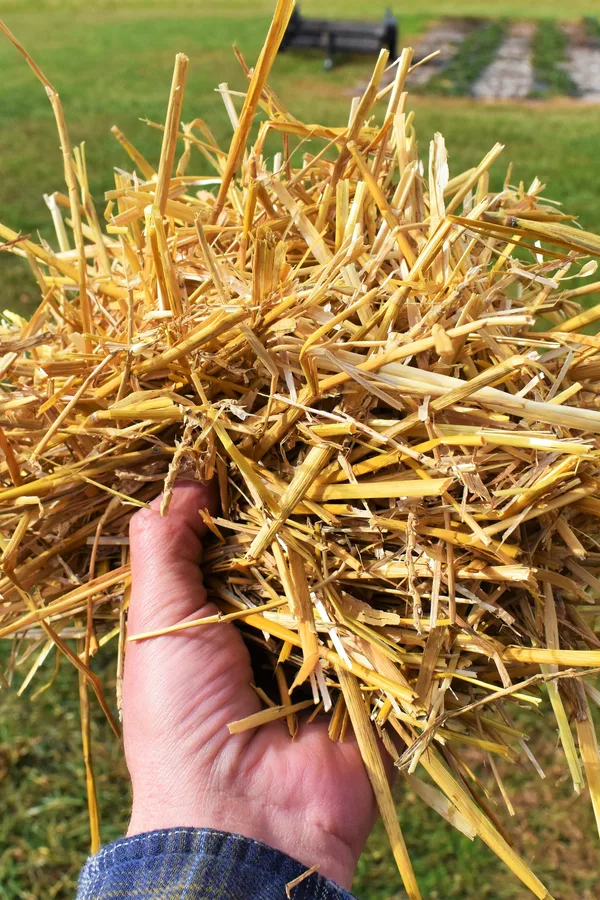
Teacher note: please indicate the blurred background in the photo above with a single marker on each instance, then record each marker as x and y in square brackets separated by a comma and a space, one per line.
[525, 74]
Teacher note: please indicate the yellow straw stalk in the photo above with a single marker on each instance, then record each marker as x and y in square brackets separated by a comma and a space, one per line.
[382, 369]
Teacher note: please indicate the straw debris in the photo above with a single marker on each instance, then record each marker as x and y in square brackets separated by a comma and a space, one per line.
[384, 369]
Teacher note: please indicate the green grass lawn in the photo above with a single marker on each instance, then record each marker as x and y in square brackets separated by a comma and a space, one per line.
[43, 825]
[357, 8]
[121, 69]
[111, 62]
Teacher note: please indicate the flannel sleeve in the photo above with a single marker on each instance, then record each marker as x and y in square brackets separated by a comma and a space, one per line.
[197, 864]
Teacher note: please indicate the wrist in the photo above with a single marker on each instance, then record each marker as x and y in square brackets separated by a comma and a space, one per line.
[284, 830]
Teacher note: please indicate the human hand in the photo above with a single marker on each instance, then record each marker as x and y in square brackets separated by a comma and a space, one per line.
[310, 797]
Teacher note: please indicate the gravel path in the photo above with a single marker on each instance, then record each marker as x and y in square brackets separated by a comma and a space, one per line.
[583, 63]
[510, 75]
[445, 36]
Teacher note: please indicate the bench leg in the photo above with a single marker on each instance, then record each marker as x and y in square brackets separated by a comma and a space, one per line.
[393, 45]
[391, 39]
[329, 59]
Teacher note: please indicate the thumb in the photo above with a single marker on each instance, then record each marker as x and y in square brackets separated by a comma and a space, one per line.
[182, 687]
[166, 552]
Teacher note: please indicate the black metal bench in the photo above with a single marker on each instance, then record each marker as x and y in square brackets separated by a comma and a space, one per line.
[341, 36]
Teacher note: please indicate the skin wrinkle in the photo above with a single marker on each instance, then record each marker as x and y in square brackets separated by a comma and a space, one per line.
[309, 798]
[315, 834]
[212, 737]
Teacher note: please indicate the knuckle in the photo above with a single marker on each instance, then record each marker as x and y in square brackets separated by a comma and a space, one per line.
[142, 524]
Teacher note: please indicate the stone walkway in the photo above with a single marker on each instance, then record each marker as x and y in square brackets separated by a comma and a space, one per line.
[510, 75]
[583, 63]
[445, 36]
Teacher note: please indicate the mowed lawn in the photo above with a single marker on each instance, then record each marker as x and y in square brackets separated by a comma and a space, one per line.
[44, 826]
[112, 65]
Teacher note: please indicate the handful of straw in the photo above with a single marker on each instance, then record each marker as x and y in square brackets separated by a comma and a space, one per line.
[385, 370]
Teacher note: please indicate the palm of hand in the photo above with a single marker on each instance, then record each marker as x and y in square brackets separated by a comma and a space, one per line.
[310, 798]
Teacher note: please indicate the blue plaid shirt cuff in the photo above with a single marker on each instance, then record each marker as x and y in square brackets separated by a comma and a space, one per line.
[197, 864]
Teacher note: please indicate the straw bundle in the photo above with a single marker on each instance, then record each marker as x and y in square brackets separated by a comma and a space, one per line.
[384, 370]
